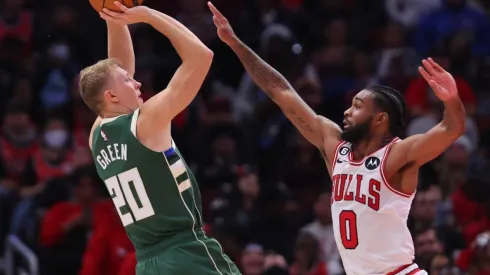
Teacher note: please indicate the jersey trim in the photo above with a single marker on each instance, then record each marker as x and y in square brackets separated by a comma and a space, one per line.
[409, 269]
[134, 121]
[193, 221]
[360, 162]
[334, 160]
[109, 119]
[383, 168]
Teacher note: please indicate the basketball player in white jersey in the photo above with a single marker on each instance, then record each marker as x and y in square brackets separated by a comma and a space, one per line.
[374, 172]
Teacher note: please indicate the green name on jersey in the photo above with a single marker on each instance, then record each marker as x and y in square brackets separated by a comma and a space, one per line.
[111, 153]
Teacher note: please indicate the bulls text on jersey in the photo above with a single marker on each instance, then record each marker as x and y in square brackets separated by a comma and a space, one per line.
[340, 190]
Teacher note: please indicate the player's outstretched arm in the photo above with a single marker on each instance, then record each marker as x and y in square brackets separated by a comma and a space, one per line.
[420, 149]
[313, 127]
[187, 80]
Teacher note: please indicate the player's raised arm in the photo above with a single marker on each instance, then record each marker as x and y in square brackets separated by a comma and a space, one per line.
[422, 148]
[120, 46]
[158, 111]
[318, 130]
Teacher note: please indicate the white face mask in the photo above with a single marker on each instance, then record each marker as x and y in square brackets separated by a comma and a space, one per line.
[56, 138]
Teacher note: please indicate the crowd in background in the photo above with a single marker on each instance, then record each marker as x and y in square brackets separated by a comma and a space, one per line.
[265, 189]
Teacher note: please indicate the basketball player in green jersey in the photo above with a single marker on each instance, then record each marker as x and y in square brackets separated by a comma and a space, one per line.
[153, 189]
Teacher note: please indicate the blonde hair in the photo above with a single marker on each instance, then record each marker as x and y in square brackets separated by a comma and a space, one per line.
[93, 80]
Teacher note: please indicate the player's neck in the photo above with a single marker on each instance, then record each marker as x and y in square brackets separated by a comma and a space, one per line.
[113, 113]
[369, 146]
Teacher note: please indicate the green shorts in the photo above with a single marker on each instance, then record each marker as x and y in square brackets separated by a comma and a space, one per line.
[186, 253]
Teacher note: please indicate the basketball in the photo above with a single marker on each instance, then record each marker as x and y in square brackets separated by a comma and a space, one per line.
[98, 5]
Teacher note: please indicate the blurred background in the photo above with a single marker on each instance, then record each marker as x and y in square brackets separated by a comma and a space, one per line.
[265, 189]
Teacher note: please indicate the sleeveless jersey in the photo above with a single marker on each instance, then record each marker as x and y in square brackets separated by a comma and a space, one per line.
[155, 193]
[369, 216]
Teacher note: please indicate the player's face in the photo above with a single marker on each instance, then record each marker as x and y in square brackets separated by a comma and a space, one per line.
[124, 90]
[359, 117]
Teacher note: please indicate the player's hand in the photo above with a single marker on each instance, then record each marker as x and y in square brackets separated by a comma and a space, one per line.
[127, 16]
[225, 31]
[440, 80]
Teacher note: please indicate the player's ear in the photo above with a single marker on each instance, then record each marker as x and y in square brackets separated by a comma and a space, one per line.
[381, 118]
[110, 96]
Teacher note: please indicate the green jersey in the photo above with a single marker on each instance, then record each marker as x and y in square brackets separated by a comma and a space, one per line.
[155, 193]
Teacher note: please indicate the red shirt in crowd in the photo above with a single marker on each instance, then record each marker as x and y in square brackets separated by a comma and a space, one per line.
[465, 211]
[417, 93]
[109, 248]
[128, 266]
[14, 158]
[57, 217]
[46, 171]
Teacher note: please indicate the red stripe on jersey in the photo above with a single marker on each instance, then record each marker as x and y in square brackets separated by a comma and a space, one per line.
[413, 272]
[383, 168]
[394, 272]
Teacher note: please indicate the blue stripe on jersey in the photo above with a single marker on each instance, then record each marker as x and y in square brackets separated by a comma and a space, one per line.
[170, 151]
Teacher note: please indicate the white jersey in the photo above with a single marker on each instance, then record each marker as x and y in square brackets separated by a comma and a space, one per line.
[369, 216]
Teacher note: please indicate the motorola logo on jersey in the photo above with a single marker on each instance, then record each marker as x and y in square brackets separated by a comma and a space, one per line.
[372, 163]
[344, 151]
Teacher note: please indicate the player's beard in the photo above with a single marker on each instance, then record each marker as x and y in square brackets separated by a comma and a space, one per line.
[357, 133]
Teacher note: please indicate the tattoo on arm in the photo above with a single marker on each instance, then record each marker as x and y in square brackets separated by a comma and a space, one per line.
[299, 121]
[266, 77]
[454, 116]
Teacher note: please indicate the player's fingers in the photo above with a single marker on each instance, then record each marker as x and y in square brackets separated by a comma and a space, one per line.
[435, 87]
[122, 7]
[112, 13]
[435, 65]
[216, 21]
[214, 10]
[109, 18]
[428, 67]
[424, 74]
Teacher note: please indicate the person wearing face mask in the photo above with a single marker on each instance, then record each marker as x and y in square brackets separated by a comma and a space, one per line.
[54, 159]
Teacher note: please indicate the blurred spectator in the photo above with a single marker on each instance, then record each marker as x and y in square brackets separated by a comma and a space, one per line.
[427, 245]
[16, 30]
[476, 259]
[108, 246]
[54, 158]
[409, 12]
[395, 61]
[304, 170]
[128, 265]
[422, 101]
[275, 264]
[237, 208]
[18, 140]
[455, 17]
[306, 257]
[440, 265]
[321, 229]
[194, 15]
[424, 208]
[65, 226]
[252, 262]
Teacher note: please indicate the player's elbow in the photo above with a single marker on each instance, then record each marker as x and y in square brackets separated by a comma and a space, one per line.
[206, 55]
[203, 55]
